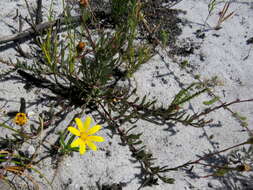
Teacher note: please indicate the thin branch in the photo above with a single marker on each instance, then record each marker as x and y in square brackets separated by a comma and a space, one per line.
[39, 17]
[204, 157]
[224, 105]
[39, 28]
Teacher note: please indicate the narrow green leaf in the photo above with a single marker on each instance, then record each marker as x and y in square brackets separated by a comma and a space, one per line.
[137, 143]
[143, 100]
[240, 117]
[215, 99]
[62, 143]
[221, 172]
[250, 141]
[167, 180]
[134, 136]
[70, 140]
[71, 67]
[131, 128]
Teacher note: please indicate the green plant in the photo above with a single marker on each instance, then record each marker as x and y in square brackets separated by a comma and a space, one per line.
[18, 163]
[84, 67]
[223, 17]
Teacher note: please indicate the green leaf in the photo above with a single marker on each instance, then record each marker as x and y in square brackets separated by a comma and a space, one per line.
[141, 154]
[250, 141]
[137, 143]
[184, 63]
[134, 136]
[245, 124]
[155, 169]
[164, 36]
[143, 100]
[240, 117]
[215, 99]
[136, 100]
[221, 172]
[167, 180]
[70, 140]
[71, 67]
[131, 128]
[62, 143]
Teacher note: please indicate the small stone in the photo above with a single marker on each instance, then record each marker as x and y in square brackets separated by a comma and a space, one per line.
[30, 150]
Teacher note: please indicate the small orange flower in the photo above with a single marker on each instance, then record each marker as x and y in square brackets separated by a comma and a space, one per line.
[20, 119]
[80, 47]
[84, 3]
[244, 168]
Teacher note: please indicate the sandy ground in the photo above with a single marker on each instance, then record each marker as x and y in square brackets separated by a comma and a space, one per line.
[222, 53]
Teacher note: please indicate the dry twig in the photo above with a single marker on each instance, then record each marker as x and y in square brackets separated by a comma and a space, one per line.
[40, 28]
[223, 16]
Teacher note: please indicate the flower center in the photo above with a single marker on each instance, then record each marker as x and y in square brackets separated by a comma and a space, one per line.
[83, 136]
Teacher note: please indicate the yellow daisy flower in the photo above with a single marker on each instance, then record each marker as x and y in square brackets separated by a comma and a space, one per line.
[20, 119]
[84, 133]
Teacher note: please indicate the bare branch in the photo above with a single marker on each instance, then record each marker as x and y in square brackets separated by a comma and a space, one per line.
[39, 29]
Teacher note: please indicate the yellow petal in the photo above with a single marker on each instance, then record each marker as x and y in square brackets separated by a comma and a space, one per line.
[87, 123]
[91, 145]
[76, 143]
[96, 138]
[94, 129]
[79, 124]
[74, 131]
[82, 148]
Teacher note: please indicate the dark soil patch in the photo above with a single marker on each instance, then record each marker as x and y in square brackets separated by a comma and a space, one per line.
[163, 21]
